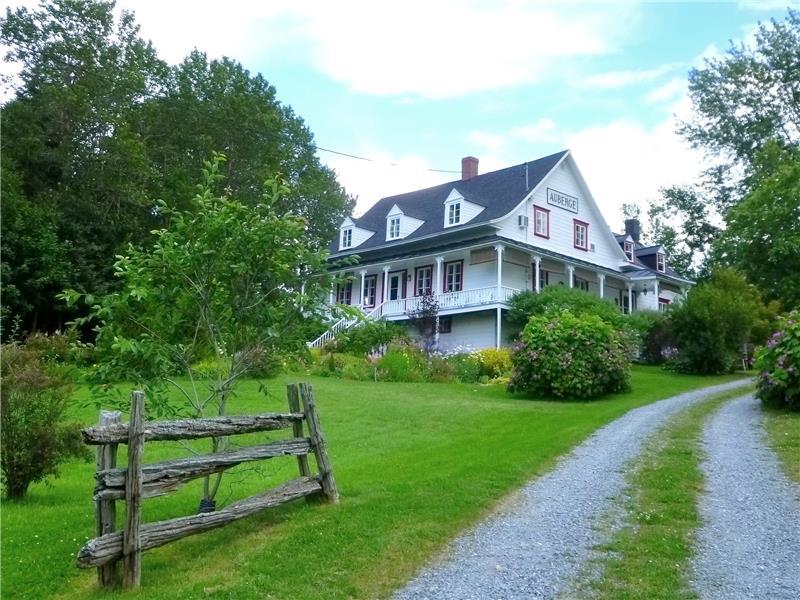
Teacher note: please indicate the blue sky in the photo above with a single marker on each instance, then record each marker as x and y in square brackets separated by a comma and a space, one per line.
[418, 85]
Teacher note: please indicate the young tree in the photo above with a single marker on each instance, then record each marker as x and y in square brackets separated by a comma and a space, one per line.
[226, 283]
[425, 320]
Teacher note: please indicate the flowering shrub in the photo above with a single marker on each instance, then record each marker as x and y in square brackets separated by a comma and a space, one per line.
[778, 364]
[495, 362]
[570, 356]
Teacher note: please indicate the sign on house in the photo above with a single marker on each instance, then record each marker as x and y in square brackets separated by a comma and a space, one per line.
[562, 200]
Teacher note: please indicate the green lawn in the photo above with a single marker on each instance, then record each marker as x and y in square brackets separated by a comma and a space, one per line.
[648, 559]
[783, 433]
[415, 464]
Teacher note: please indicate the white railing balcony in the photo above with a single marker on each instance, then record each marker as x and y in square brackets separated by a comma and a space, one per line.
[450, 300]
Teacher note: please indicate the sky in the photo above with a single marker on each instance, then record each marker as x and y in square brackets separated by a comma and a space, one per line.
[414, 86]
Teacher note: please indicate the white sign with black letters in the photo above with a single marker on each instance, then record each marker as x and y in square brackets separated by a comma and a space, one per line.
[562, 200]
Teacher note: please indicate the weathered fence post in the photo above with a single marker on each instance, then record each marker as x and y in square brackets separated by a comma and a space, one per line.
[318, 441]
[293, 394]
[105, 510]
[131, 547]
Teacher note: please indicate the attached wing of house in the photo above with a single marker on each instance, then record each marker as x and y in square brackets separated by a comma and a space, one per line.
[477, 241]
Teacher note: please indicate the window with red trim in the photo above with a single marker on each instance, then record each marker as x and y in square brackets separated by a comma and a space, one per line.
[581, 237]
[541, 222]
[454, 276]
[344, 292]
[369, 292]
[423, 280]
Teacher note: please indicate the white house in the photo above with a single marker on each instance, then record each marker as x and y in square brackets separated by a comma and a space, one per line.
[477, 241]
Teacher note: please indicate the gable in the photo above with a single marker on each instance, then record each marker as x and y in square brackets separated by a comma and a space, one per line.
[467, 210]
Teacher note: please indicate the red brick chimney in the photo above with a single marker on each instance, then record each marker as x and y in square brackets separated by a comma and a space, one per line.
[469, 167]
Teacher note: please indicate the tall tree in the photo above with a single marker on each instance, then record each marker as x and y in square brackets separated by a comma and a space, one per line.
[762, 234]
[745, 98]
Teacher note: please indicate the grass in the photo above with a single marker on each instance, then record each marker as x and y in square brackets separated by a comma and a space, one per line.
[415, 464]
[648, 558]
[783, 433]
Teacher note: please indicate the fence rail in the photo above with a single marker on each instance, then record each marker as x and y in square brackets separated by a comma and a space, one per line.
[138, 481]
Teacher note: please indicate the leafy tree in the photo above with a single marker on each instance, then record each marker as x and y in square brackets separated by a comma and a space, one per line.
[715, 320]
[226, 283]
[681, 222]
[748, 96]
[425, 320]
[762, 237]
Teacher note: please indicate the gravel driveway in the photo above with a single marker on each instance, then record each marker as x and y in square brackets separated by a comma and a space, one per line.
[538, 543]
[749, 546]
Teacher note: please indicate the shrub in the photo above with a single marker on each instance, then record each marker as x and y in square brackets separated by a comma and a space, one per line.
[713, 323]
[566, 355]
[653, 336]
[364, 338]
[494, 362]
[32, 404]
[558, 298]
[403, 363]
[467, 367]
[778, 363]
[442, 370]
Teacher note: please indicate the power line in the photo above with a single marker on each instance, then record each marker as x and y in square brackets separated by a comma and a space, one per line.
[375, 161]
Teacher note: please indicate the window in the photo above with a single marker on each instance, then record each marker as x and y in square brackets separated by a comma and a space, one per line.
[628, 247]
[394, 228]
[454, 276]
[423, 280]
[541, 222]
[445, 324]
[344, 293]
[581, 284]
[661, 262]
[454, 213]
[370, 288]
[581, 235]
[347, 237]
[544, 279]
[663, 304]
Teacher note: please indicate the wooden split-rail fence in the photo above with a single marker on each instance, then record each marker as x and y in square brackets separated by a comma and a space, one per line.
[139, 481]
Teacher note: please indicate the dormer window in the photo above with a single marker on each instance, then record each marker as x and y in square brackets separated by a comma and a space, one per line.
[347, 238]
[454, 213]
[628, 247]
[661, 262]
[394, 228]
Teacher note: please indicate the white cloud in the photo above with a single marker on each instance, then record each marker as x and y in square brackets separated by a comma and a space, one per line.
[617, 79]
[543, 131]
[385, 175]
[426, 49]
[669, 92]
[764, 5]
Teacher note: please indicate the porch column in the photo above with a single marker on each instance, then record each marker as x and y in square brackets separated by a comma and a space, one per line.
[438, 285]
[499, 248]
[497, 335]
[630, 298]
[332, 295]
[655, 291]
[571, 271]
[363, 274]
[601, 280]
[385, 282]
[537, 261]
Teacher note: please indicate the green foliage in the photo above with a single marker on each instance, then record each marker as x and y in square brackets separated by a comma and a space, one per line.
[467, 367]
[425, 319]
[778, 365]
[237, 280]
[653, 334]
[564, 355]
[555, 299]
[403, 363]
[715, 320]
[369, 335]
[762, 237]
[99, 126]
[495, 362]
[33, 400]
[733, 116]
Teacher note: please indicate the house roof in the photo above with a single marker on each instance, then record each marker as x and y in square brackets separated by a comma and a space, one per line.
[647, 267]
[499, 192]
